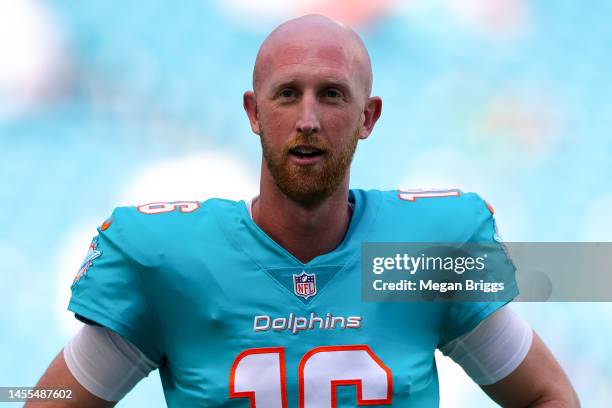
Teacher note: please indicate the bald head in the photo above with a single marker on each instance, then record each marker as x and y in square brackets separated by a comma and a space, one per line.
[295, 39]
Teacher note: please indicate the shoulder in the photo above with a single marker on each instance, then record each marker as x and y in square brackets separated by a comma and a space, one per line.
[168, 213]
[145, 230]
[163, 211]
[434, 200]
[449, 213]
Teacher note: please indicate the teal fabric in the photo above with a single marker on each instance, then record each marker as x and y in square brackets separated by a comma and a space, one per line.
[186, 288]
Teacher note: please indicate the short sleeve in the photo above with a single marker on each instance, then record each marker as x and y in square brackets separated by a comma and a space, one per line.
[108, 291]
[462, 317]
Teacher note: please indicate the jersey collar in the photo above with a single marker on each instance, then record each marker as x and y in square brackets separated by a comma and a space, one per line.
[269, 254]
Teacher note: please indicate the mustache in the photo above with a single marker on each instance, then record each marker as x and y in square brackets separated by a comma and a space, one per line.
[301, 140]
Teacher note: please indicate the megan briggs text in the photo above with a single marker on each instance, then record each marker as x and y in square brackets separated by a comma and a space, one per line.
[429, 285]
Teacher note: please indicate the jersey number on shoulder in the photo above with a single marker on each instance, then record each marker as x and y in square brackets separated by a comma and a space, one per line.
[158, 208]
[260, 376]
[412, 195]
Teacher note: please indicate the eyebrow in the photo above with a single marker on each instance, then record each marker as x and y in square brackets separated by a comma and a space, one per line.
[326, 82]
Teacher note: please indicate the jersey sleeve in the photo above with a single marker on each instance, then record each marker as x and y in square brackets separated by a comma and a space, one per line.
[464, 316]
[109, 292]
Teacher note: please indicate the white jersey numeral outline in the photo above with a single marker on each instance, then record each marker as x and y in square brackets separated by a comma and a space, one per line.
[259, 374]
[164, 207]
[412, 195]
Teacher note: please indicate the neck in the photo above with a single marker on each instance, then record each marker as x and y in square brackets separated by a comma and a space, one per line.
[304, 231]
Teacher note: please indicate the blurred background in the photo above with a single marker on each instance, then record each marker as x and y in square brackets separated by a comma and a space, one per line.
[112, 103]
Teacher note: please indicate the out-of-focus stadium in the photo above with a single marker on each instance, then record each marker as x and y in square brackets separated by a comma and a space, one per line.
[112, 103]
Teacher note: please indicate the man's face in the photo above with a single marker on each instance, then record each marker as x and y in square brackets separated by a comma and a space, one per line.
[310, 110]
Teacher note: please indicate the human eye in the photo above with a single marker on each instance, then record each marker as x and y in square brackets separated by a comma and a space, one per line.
[332, 93]
[287, 93]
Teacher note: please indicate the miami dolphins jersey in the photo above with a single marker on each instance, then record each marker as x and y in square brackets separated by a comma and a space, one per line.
[234, 320]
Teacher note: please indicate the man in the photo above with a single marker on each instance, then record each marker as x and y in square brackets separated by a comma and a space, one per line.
[259, 304]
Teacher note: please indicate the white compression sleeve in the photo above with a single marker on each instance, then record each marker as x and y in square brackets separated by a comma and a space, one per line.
[105, 363]
[493, 349]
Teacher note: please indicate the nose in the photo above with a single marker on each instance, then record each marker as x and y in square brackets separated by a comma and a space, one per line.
[308, 118]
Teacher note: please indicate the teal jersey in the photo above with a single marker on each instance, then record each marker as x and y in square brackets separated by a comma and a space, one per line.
[234, 320]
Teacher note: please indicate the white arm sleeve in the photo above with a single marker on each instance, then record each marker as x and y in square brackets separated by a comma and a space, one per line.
[494, 348]
[105, 363]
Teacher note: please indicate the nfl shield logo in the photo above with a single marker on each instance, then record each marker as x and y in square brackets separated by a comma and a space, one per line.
[305, 284]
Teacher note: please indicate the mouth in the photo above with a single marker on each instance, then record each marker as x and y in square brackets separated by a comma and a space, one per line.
[306, 155]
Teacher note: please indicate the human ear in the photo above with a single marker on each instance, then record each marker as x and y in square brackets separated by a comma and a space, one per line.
[250, 106]
[369, 116]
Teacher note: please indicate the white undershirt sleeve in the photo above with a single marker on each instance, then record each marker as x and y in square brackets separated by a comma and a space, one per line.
[494, 348]
[105, 363]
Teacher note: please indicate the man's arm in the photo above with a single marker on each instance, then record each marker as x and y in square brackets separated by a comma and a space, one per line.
[58, 376]
[539, 381]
